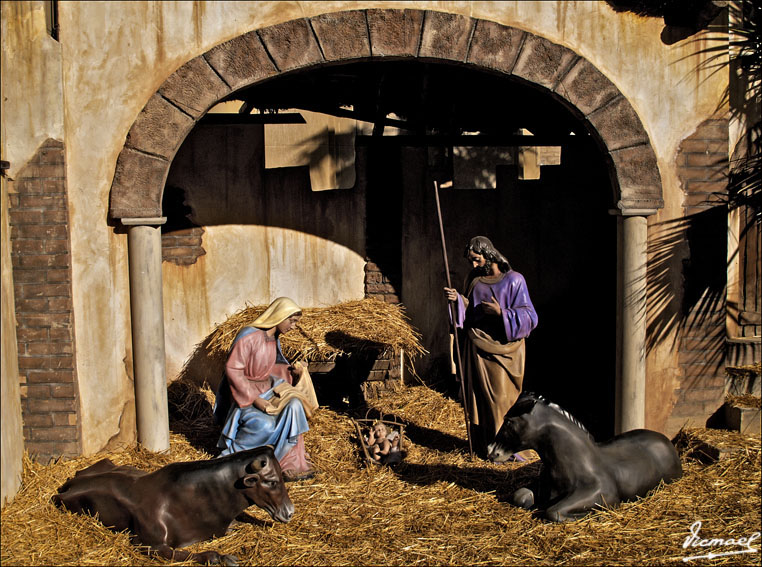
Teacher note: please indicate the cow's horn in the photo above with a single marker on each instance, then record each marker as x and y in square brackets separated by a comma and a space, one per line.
[258, 463]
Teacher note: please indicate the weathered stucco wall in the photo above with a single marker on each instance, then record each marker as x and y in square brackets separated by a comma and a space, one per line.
[12, 449]
[114, 56]
[31, 112]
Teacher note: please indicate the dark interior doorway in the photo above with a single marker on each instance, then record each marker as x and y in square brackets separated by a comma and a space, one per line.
[556, 230]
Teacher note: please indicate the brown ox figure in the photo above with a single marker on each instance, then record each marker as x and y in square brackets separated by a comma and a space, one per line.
[181, 503]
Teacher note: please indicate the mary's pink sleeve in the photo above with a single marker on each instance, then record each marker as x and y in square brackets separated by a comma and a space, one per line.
[235, 369]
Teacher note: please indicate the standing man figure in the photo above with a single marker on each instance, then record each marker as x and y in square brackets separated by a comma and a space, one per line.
[496, 315]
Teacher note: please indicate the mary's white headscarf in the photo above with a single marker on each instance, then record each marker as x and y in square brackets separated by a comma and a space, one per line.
[278, 311]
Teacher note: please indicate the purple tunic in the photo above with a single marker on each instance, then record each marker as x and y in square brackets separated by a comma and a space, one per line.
[493, 350]
[510, 290]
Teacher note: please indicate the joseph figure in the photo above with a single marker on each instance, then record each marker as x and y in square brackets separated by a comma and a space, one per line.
[495, 314]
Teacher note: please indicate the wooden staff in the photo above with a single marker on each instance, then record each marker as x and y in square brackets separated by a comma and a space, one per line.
[453, 313]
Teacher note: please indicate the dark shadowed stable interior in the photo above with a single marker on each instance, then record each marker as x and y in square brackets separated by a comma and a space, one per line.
[467, 130]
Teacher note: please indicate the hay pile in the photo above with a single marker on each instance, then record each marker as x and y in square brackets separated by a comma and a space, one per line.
[436, 508]
[323, 333]
[747, 401]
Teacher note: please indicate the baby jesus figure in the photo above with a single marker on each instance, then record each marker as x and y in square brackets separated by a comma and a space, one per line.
[381, 443]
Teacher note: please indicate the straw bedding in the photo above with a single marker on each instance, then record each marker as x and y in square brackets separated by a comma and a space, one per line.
[436, 508]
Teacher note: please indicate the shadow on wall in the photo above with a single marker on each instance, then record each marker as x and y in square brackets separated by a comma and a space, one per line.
[219, 173]
[696, 247]
[203, 367]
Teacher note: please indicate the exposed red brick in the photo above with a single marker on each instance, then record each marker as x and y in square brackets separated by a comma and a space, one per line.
[50, 405]
[31, 335]
[64, 418]
[50, 376]
[40, 255]
[17, 218]
[39, 420]
[63, 391]
[27, 305]
[60, 304]
[38, 391]
[59, 433]
[46, 362]
[49, 348]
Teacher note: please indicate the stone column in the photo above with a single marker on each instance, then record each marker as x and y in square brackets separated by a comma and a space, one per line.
[147, 308]
[633, 262]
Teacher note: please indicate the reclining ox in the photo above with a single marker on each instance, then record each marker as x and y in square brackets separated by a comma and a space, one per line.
[181, 503]
[579, 474]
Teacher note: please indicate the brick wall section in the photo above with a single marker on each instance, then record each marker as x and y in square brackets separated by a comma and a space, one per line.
[378, 285]
[40, 253]
[182, 247]
[702, 165]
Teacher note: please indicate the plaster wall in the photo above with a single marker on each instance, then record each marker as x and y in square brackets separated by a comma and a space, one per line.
[30, 113]
[12, 450]
[114, 56]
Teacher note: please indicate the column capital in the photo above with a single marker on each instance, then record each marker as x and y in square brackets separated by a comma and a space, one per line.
[632, 212]
[144, 221]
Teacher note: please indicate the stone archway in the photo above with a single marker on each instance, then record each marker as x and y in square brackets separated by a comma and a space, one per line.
[375, 34]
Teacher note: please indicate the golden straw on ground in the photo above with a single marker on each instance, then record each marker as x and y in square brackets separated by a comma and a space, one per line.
[436, 508]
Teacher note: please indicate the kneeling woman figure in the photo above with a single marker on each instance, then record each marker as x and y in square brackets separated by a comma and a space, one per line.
[255, 373]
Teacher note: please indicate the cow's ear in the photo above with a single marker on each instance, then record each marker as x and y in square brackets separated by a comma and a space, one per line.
[250, 480]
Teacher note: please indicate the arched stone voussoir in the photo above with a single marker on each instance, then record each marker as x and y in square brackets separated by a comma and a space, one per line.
[637, 173]
[446, 36]
[342, 35]
[241, 61]
[138, 185]
[618, 125]
[159, 128]
[586, 88]
[292, 44]
[543, 62]
[394, 33]
[194, 87]
[495, 46]
[190, 91]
